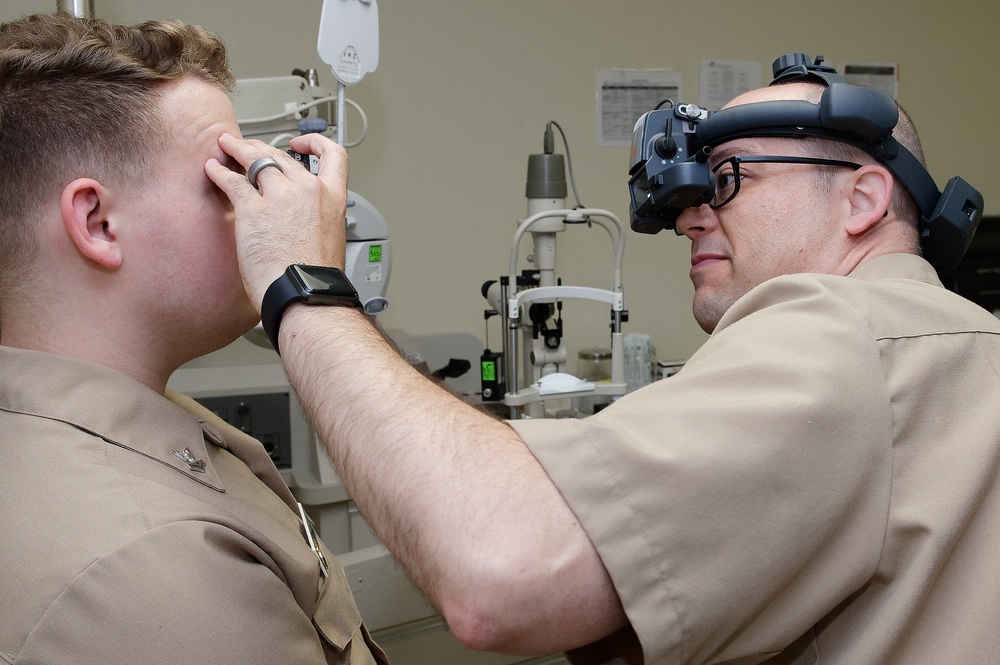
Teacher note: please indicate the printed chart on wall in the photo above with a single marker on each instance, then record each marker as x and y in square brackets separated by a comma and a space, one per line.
[624, 95]
[719, 81]
[882, 76]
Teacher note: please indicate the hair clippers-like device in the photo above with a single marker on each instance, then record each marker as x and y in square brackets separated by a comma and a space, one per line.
[669, 172]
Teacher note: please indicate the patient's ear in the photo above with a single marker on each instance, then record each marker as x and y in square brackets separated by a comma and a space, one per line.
[84, 206]
[870, 195]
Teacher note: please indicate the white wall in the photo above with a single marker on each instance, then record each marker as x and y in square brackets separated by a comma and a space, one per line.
[464, 89]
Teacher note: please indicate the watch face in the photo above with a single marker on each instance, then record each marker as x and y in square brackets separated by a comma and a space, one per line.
[321, 284]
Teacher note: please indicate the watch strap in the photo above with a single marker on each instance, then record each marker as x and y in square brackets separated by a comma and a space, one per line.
[310, 285]
[279, 295]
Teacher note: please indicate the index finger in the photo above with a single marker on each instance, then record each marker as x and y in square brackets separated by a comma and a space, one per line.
[246, 151]
[332, 157]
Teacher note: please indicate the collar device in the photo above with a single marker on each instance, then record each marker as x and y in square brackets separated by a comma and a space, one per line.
[661, 187]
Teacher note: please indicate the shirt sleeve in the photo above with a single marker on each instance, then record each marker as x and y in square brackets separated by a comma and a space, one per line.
[741, 500]
[212, 601]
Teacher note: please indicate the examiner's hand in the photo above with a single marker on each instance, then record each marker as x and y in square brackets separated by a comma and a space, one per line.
[295, 217]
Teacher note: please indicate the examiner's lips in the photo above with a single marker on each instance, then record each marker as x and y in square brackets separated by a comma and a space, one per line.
[703, 259]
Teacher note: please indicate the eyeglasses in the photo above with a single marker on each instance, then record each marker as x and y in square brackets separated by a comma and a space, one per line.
[727, 172]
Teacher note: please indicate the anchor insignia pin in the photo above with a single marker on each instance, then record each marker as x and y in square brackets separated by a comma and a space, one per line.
[193, 464]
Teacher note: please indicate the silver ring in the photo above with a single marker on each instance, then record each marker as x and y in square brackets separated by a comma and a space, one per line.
[259, 165]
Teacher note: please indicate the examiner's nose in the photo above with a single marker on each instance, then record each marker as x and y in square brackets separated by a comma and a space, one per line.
[694, 222]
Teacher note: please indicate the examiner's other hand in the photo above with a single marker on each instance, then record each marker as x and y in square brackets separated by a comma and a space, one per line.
[295, 217]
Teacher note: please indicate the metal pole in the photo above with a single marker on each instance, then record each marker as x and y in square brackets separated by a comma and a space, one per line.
[509, 342]
[78, 8]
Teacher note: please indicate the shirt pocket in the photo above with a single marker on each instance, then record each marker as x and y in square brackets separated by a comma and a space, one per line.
[338, 622]
[336, 616]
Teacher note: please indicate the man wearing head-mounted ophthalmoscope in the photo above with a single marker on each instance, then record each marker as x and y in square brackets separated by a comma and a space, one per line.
[816, 485]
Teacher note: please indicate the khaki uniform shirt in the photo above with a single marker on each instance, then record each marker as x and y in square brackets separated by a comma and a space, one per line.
[115, 550]
[819, 484]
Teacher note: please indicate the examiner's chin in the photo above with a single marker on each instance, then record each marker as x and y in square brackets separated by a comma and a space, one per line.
[706, 321]
[709, 305]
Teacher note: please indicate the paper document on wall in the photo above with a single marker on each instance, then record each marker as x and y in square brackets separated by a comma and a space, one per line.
[882, 76]
[624, 95]
[719, 81]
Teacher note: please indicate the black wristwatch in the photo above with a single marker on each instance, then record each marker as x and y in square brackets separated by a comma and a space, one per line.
[310, 285]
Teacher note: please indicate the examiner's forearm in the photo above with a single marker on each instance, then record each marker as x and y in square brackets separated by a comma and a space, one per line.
[453, 493]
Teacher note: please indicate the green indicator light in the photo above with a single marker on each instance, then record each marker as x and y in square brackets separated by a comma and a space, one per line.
[489, 370]
[374, 253]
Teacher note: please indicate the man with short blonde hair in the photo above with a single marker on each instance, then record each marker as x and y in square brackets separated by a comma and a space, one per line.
[138, 526]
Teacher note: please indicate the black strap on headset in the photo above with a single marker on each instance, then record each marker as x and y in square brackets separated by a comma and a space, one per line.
[863, 120]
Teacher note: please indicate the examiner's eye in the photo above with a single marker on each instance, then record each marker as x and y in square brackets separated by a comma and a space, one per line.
[725, 178]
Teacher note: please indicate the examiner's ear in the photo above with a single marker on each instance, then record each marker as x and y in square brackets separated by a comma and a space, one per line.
[84, 208]
[869, 196]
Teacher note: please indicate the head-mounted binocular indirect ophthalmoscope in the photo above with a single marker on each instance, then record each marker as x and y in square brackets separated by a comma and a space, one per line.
[669, 171]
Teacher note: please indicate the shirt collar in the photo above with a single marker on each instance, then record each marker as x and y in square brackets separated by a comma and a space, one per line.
[110, 405]
[897, 266]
